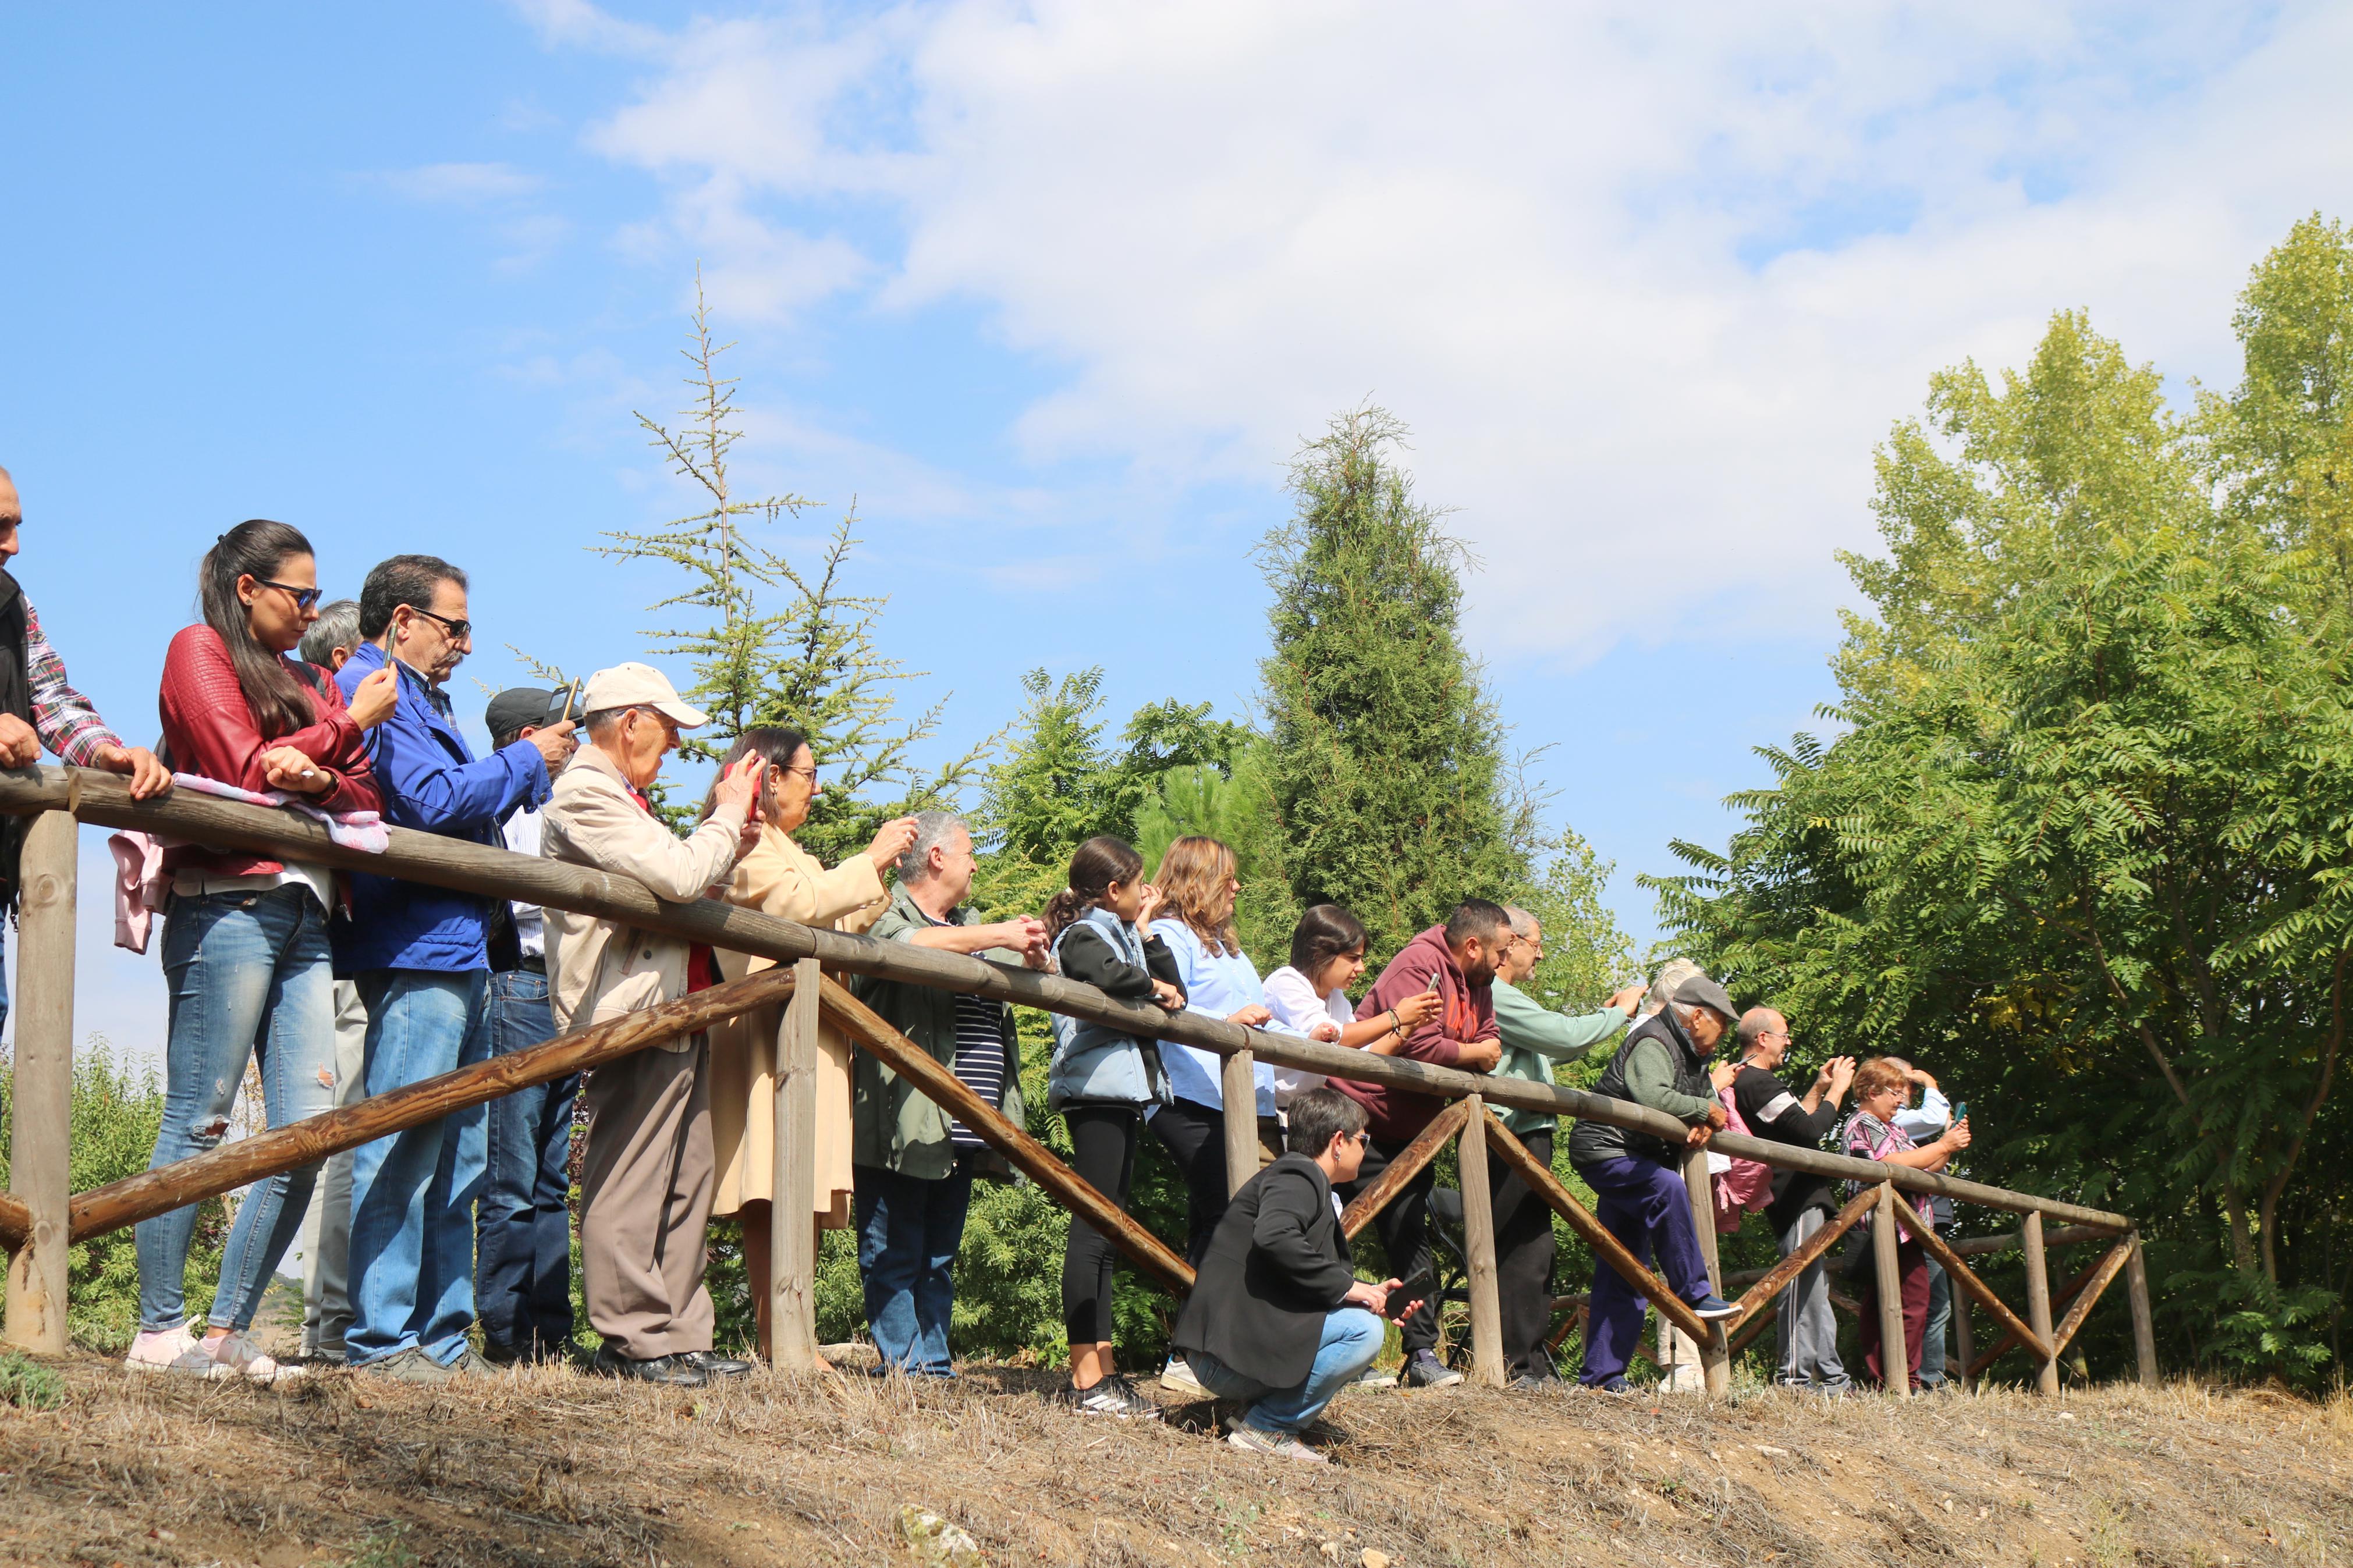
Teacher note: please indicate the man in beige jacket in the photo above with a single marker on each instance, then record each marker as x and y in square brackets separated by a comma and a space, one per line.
[648, 1178]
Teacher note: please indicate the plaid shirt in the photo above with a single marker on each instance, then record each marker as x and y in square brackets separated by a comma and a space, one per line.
[66, 722]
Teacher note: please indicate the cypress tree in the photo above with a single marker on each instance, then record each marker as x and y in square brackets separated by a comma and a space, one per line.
[1386, 765]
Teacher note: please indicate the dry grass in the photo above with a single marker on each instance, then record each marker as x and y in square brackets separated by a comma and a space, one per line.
[552, 1468]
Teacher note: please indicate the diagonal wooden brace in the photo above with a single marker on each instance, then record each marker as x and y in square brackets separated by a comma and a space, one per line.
[1777, 1280]
[2104, 1274]
[1403, 1169]
[2001, 1346]
[1925, 1234]
[1606, 1247]
[940, 1085]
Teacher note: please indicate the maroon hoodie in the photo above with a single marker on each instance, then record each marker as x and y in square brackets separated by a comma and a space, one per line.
[1466, 1017]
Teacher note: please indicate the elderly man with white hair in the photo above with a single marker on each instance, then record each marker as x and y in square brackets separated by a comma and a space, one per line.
[648, 1175]
[1637, 1179]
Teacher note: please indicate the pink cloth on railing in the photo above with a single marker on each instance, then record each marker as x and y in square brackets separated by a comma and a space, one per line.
[141, 883]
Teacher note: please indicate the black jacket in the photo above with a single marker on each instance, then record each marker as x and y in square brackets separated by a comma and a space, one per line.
[1277, 1267]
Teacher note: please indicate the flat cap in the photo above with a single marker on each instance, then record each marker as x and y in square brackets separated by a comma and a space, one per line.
[1699, 991]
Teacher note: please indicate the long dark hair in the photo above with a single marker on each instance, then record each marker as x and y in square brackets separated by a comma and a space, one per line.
[256, 548]
[1323, 934]
[1095, 866]
[775, 745]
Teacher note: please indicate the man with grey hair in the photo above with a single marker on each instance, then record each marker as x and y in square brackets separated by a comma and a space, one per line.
[915, 1163]
[1802, 1204]
[1535, 1039]
[333, 636]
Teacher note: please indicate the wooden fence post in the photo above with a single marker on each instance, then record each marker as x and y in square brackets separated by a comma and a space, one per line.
[1895, 1356]
[792, 1217]
[40, 1171]
[2038, 1300]
[2144, 1326]
[1715, 1353]
[1239, 1082]
[1479, 1240]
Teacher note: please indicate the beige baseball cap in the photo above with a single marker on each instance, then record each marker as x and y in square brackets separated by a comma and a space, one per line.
[640, 686]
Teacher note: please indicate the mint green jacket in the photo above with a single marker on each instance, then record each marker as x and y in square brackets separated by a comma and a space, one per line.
[892, 1124]
[1536, 1039]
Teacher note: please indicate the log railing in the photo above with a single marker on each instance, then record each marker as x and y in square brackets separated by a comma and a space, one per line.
[38, 1217]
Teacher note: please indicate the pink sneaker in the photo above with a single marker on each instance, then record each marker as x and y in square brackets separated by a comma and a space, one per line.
[157, 1350]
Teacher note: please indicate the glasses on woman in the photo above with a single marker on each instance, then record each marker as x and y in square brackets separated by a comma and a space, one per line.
[809, 772]
[304, 598]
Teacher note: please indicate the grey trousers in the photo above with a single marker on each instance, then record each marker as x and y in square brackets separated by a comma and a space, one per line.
[646, 1180]
[1808, 1330]
[324, 1242]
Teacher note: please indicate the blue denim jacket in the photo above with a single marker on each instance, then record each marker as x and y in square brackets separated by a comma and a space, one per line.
[1100, 1065]
[431, 781]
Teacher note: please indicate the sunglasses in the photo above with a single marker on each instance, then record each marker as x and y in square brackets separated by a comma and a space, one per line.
[304, 598]
[459, 630]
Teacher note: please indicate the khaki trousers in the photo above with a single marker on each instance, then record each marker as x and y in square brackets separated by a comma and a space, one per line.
[646, 1184]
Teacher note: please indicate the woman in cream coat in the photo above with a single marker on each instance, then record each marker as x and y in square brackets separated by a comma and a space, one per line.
[780, 877]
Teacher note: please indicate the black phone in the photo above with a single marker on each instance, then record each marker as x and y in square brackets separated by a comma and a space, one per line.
[1409, 1291]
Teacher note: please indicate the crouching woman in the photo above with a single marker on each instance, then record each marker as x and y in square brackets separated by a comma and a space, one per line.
[1277, 1315]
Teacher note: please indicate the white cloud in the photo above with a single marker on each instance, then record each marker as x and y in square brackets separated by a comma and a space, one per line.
[462, 184]
[1648, 281]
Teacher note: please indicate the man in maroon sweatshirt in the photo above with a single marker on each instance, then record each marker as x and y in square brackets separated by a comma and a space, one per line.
[1457, 959]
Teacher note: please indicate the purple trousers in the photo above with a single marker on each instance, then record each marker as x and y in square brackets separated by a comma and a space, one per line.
[1644, 1204]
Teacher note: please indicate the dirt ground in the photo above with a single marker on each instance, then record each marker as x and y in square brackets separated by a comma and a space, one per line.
[551, 1467]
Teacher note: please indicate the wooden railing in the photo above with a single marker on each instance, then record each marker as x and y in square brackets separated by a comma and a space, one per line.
[39, 1216]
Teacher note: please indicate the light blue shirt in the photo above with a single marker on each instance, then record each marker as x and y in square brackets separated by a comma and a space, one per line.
[1217, 983]
[1926, 1122]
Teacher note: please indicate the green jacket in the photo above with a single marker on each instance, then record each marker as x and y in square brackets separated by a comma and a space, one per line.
[1536, 1039]
[893, 1125]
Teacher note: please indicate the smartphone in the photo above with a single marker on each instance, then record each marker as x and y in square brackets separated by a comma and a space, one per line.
[571, 700]
[1961, 1111]
[1418, 1289]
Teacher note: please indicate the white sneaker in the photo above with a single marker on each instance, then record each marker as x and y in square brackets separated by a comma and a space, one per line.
[238, 1356]
[157, 1350]
[1177, 1377]
[1279, 1445]
[1376, 1378]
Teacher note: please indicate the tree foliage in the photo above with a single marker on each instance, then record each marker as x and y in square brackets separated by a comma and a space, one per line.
[774, 643]
[2084, 843]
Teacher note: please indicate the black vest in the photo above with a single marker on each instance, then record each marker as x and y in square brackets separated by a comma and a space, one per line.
[1595, 1141]
[15, 696]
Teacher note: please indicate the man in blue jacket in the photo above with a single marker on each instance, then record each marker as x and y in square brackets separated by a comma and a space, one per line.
[420, 958]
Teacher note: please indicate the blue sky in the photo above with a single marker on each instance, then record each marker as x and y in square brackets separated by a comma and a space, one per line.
[1054, 291]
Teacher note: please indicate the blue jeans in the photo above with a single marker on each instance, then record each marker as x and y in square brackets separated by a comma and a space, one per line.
[908, 1232]
[412, 1264]
[1644, 1204]
[1352, 1338]
[249, 975]
[1940, 1321]
[522, 1227]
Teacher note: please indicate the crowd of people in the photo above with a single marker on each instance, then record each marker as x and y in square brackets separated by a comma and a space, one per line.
[445, 1251]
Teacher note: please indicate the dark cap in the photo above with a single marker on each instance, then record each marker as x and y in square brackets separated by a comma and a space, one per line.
[1699, 991]
[522, 708]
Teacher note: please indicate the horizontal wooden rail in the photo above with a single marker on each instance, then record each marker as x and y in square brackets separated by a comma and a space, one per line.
[228, 1166]
[2011, 1241]
[429, 859]
[15, 1222]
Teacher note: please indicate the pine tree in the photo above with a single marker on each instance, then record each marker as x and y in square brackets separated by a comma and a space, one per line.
[812, 664]
[1385, 768]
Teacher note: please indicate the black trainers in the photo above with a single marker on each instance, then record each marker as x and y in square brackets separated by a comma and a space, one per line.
[1424, 1369]
[1114, 1396]
[1711, 1307]
[670, 1371]
[711, 1365]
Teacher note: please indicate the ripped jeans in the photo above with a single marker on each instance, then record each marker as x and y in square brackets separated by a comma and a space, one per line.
[249, 977]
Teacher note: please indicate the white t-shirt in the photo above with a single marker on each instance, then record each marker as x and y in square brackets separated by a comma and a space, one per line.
[531, 929]
[1291, 996]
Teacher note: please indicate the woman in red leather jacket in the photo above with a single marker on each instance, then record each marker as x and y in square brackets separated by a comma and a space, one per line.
[245, 937]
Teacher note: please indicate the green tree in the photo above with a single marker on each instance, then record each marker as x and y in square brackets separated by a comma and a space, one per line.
[2084, 842]
[1386, 767]
[772, 643]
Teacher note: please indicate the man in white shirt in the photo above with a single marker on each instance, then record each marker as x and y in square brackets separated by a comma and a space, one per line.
[523, 1225]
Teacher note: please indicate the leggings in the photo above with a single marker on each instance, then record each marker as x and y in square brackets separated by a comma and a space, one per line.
[1103, 1153]
[1195, 1137]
